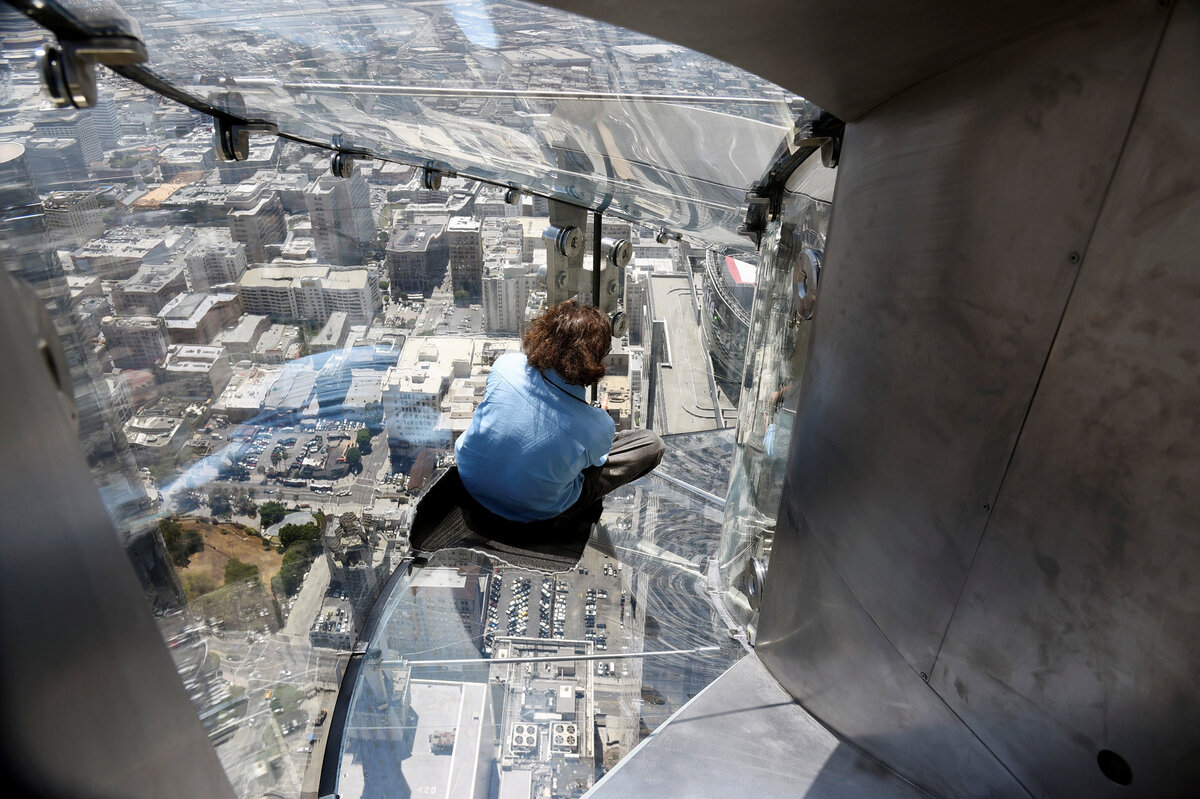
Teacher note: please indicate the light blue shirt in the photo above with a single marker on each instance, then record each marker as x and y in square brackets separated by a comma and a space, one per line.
[529, 442]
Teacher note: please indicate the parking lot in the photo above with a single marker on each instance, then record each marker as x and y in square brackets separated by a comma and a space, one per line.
[576, 605]
[295, 452]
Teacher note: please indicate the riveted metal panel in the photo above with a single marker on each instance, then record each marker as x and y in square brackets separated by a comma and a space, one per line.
[949, 263]
[827, 651]
[1078, 626]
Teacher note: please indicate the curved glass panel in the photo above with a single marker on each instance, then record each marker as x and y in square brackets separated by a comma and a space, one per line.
[776, 352]
[269, 364]
[504, 91]
[483, 678]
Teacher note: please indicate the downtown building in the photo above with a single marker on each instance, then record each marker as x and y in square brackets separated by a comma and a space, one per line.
[256, 219]
[25, 245]
[73, 217]
[309, 293]
[342, 223]
[197, 317]
[464, 243]
[417, 258]
[506, 293]
[77, 126]
[148, 290]
[215, 259]
[135, 342]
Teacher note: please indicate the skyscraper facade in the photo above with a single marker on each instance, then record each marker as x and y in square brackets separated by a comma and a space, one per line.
[465, 245]
[340, 212]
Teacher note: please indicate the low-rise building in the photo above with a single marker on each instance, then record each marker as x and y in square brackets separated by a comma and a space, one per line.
[148, 290]
[333, 335]
[239, 341]
[197, 317]
[309, 293]
[195, 372]
[154, 437]
[135, 342]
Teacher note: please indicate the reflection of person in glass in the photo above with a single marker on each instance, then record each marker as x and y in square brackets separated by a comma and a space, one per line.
[536, 449]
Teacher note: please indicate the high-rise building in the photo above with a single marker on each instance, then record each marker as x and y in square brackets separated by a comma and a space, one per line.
[79, 126]
[464, 243]
[256, 219]
[195, 372]
[636, 288]
[148, 290]
[25, 241]
[505, 297]
[416, 258]
[309, 293]
[342, 223]
[58, 163]
[135, 342]
[73, 218]
[196, 318]
[214, 259]
[104, 117]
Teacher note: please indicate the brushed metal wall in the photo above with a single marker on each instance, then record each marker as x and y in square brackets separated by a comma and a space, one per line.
[1078, 628]
[993, 479]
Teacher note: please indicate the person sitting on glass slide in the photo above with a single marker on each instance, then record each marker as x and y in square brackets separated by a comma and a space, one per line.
[536, 449]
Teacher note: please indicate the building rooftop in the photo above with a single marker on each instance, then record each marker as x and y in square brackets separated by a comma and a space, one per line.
[187, 309]
[150, 279]
[683, 370]
[414, 238]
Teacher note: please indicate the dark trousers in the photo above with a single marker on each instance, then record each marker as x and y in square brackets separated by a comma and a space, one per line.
[634, 454]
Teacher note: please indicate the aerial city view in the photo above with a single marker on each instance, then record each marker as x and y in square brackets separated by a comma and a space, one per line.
[271, 363]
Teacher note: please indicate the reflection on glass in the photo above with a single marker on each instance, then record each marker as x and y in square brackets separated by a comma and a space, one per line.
[270, 364]
[498, 89]
[784, 301]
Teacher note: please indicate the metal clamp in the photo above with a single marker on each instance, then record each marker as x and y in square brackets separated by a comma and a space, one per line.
[431, 178]
[755, 579]
[764, 202]
[68, 67]
[620, 324]
[342, 162]
[664, 235]
[231, 131]
[512, 196]
[619, 252]
[567, 240]
[231, 139]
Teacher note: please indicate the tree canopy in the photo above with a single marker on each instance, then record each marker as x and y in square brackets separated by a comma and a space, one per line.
[291, 533]
[353, 456]
[270, 513]
[180, 545]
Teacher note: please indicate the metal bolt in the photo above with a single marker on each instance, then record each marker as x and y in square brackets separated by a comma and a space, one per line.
[1074, 257]
[924, 676]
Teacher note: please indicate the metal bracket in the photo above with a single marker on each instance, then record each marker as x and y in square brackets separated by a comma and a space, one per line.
[344, 158]
[431, 177]
[68, 66]
[764, 202]
[231, 131]
[564, 251]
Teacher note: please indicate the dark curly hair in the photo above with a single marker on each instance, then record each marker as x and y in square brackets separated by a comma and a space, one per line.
[571, 339]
